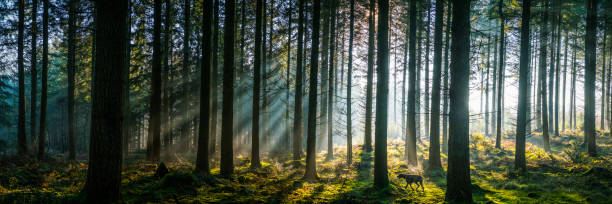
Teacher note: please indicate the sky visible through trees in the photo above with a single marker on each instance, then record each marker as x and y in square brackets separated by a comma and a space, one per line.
[472, 95]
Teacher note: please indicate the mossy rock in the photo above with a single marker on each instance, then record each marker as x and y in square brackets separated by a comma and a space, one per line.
[178, 180]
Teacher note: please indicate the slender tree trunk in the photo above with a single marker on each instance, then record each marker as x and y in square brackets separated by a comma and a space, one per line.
[543, 53]
[557, 73]
[324, 71]
[73, 4]
[311, 162]
[349, 87]
[287, 123]
[33, 74]
[494, 94]
[227, 134]
[43, 97]
[446, 77]
[166, 106]
[214, 81]
[426, 97]
[564, 83]
[155, 108]
[299, 70]
[458, 184]
[487, 85]
[381, 179]
[603, 83]
[411, 134]
[330, 92]
[500, 77]
[434, 139]
[202, 160]
[126, 89]
[519, 159]
[104, 172]
[572, 116]
[255, 161]
[186, 81]
[589, 77]
[370, 77]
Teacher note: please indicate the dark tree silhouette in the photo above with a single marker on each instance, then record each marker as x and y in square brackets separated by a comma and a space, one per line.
[411, 133]
[311, 162]
[381, 179]
[202, 160]
[349, 122]
[370, 76]
[72, 12]
[155, 108]
[104, 173]
[589, 77]
[519, 159]
[542, 78]
[227, 132]
[43, 92]
[22, 146]
[434, 140]
[257, 85]
[458, 184]
[33, 74]
[299, 70]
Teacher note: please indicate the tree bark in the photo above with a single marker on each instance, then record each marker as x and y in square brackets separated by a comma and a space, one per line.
[43, 97]
[370, 77]
[349, 87]
[519, 159]
[500, 77]
[330, 92]
[33, 73]
[227, 133]
[299, 70]
[458, 184]
[73, 4]
[589, 77]
[202, 160]
[104, 173]
[446, 77]
[155, 106]
[411, 134]
[434, 139]
[381, 179]
[22, 144]
[255, 163]
[542, 76]
[311, 162]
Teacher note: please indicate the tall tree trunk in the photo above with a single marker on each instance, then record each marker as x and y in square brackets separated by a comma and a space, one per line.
[519, 159]
[330, 92]
[43, 97]
[186, 81]
[458, 184]
[33, 74]
[214, 81]
[155, 108]
[487, 85]
[72, 12]
[551, 72]
[411, 134]
[589, 77]
[603, 83]
[572, 116]
[349, 87]
[434, 139]
[299, 70]
[324, 70]
[287, 123]
[104, 172]
[557, 71]
[542, 71]
[494, 94]
[227, 133]
[311, 162]
[500, 77]
[166, 106]
[22, 144]
[370, 77]
[202, 160]
[564, 82]
[126, 89]
[381, 179]
[257, 84]
[426, 97]
[446, 77]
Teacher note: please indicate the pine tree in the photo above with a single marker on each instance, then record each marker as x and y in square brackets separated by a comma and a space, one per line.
[381, 179]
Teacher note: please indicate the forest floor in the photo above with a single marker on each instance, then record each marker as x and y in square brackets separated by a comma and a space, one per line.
[565, 176]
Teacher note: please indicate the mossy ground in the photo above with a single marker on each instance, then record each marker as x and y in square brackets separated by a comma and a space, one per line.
[565, 176]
